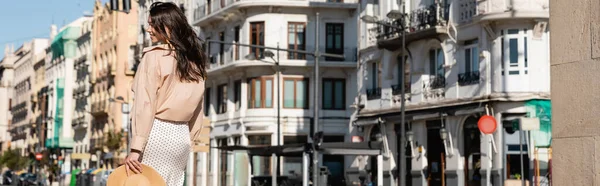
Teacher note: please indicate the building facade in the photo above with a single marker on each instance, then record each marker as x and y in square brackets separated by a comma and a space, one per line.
[114, 38]
[81, 92]
[61, 80]
[39, 101]
[463, 59]
[248, 88]
[22, 133]
[6, 94]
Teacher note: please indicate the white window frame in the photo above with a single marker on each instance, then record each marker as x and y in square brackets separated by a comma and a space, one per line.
[523, 40]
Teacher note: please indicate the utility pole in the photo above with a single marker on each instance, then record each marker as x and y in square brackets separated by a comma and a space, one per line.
[278, 110]
[402, 150]
[315, 124]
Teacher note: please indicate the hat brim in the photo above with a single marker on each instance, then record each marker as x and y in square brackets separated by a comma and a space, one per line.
[119, 176]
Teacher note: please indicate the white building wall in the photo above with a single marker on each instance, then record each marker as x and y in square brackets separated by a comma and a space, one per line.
[245, 122]
[491, 85]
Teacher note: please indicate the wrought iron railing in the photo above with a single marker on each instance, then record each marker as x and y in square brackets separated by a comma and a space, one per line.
[419, 19]
[373, 93]
[468, 78]
[396, 89]
[435, 82]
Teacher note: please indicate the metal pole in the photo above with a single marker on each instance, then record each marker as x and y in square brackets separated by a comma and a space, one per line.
[278, 169]
[521, 155]
[278, 109]
[315, 124]
[402, 168]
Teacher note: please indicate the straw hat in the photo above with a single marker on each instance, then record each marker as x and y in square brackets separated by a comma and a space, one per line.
[148, 177]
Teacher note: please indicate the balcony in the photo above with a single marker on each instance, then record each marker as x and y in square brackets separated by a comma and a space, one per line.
[468, 78]
[218, 10]
[79, 123]
[396, 89]
[490, 10]
[373, 93]
[423, 23]
[99, 108]
[434, 87]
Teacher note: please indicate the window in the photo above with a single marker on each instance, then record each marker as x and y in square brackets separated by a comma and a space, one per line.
[208, 6]
[296, 36]
[222, 48]
[515, 56]
[334, 40]
[292, 165]
[403, 77]
[224, 160]
[222, 99]
[376, 75]
[257, 37]
[237, 89]
[436, 62]
[212, 58]
[375, 91]
[262, 164]
[207, 101]
[260, 92]
[236, 39]
[471, 56]
[334, 96]
[295, 93]
[376, 7]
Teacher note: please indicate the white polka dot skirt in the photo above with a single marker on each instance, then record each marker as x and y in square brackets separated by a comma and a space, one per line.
[167, 150]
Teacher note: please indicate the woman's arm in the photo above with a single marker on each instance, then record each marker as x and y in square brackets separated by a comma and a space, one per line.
[146, 84]
[196, 123]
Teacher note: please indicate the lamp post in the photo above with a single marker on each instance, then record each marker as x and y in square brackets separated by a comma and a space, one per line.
[395, 14]
[317, 54]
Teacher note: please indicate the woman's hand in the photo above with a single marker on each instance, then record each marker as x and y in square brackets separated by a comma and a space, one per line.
[132, 163]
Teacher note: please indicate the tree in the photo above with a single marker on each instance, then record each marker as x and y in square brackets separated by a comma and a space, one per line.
[113, 141]
[13, 160]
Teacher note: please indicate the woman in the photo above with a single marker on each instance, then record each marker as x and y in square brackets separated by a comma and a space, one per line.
[169, 90]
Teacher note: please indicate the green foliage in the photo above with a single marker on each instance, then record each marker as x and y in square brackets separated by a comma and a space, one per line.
[113, 141]
[13, 160]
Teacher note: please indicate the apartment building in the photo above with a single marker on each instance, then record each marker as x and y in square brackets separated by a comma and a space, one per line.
[463, 59]
[114, 38]
[81, 107]
[260, 97]
[61, 81]
[6, 94]
[23, 120]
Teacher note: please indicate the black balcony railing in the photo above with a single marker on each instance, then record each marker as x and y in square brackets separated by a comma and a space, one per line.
[419, 19]
[374, 93]
[396, 89]
[468, 78]
[436, 82]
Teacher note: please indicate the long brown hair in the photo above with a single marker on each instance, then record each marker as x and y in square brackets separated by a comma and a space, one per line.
[190, 56]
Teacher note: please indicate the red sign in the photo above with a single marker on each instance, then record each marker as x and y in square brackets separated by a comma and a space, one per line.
[487, 124]
[38, 156]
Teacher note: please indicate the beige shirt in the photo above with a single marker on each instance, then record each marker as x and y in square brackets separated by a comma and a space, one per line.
[160, 94]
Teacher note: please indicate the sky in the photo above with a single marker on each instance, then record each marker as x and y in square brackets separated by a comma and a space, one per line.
[23, 20]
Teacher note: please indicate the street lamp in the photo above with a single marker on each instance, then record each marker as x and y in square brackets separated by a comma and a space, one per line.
[395, 14]
[271, 55]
